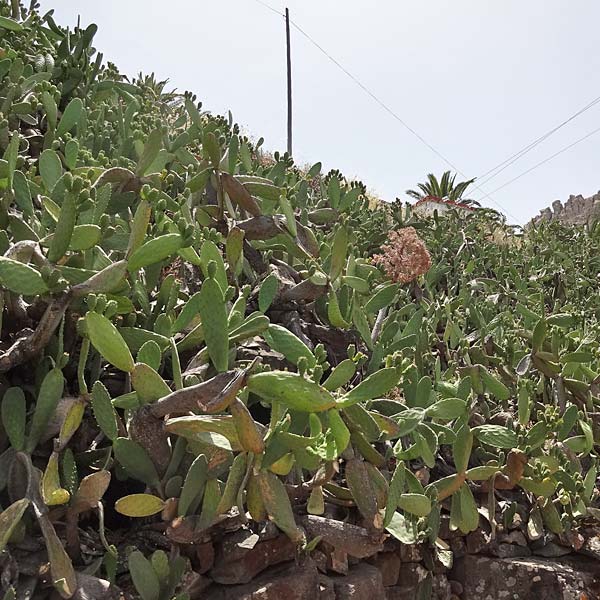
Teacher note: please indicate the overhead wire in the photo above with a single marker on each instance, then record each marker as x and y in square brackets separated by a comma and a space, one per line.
[543, 162]
[383, 105]
[483, 179]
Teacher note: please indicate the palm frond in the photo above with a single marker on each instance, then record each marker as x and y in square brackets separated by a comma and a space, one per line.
[434, 184]
[414, 194]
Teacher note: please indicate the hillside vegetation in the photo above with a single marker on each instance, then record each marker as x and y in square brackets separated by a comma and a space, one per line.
[195, 341]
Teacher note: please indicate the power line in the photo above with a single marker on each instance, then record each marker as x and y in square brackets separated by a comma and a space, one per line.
[382, 104]
[513, 158]
[543, 162]
[270, 8]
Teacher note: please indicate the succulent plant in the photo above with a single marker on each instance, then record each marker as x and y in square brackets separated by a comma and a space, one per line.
[193, 333]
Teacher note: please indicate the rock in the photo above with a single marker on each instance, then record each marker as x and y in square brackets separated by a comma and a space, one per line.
[205, 554]
[326, 588]
[552, 550]
[240, 564]
[510, 551]
[514, 537]
[389, 565]
[477, 541]
[441, 588]
[320, 559]
[456, 587]
[401, 592]
[412, 574]
[577, 210]
[445, 532]
[458, 547]
[591, 546]
[411, 553]
[284, 582]
[337, 561]
[355, 541]
[195, 585]
[89, 587]
[485, 578]
[363, 582]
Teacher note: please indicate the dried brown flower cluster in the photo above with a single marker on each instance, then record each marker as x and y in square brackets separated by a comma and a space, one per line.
[404, 257]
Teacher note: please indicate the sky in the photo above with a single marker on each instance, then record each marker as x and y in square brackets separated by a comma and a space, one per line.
[478, 80]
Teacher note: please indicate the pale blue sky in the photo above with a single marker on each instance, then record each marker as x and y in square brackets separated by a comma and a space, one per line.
[477, 79]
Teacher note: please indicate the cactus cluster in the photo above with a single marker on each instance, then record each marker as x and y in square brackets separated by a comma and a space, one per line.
[196, 338]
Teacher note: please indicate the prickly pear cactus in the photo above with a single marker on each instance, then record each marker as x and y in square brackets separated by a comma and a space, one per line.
[197, 336]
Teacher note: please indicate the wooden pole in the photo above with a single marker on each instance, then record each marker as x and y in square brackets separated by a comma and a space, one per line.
[289, 82]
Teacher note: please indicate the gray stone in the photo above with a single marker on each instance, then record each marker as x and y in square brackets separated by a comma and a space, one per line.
[285, 582]
[441, 588]
[485, 578]
[411, 553]
[363, 582]
[242, 564]
[412, 574]
[577, 210]
[389, 565]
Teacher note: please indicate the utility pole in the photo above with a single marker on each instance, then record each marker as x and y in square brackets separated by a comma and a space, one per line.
[289, 82]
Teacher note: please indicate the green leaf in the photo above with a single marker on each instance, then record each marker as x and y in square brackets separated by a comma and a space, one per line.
[141, 219]
[135, 461]
[340, 375]
[144, 576]
[63, 233]
[210, 252]
[416, 504]
[84, 237]
[493, 385]
[447, 409]
[10, 518]
[496, 435]
[70, 116]
[211, 149]
[148, 384]
[13, 416]
[539, 335]
[338, 251]
[382, 298]
[50, 393]
[20, 278]
[374, 386]
[213, 313]
[10, 24]
[193, 487]
[108, 341]
[151, 354]
[284, 341]
[403, 528]
[151, 149]
[50, 168]
[139, 505]
[104, 413]
[395, 491]
[267, 292]
[468, 510]
[339, 430]
[461, 449]
[292, 390]
[155, 250]
[277, 504]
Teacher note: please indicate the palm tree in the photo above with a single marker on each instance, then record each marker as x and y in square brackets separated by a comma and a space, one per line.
[444, 189]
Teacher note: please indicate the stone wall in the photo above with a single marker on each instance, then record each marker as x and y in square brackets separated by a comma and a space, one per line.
[577, 210]
[258, 562]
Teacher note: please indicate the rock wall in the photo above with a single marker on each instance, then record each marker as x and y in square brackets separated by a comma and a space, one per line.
[263, 564]
[577, 210]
